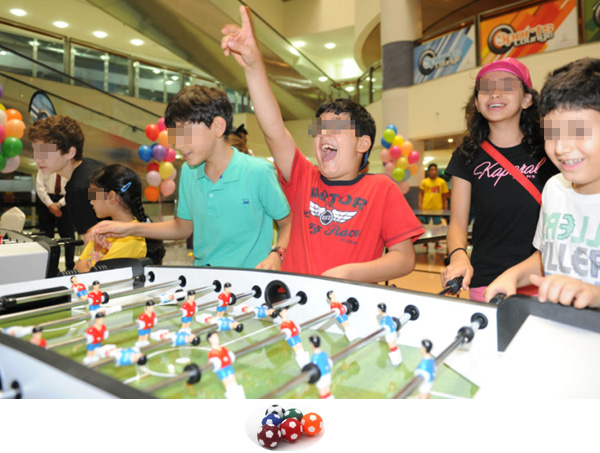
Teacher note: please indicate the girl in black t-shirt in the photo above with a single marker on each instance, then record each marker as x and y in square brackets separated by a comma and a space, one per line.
[503, 111]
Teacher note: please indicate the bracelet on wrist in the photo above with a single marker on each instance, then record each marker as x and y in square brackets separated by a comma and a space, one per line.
[456, 250]
[279, 250]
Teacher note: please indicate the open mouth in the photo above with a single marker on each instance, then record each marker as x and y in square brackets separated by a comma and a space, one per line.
[328, 152]
[496, 106]
[570, 163]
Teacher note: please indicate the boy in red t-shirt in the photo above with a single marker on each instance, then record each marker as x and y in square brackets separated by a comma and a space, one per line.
[342, 219]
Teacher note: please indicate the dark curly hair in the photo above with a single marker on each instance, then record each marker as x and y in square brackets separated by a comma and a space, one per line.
[127, 185]
[60, 130]
[478, 128]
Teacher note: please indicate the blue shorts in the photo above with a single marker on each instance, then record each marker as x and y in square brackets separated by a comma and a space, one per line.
[187, 319]
[92, 346]
[144, 331]
[342, 318]
[94, 307]
[225, 372]
[83, 292]
[425, 219]
[221, 309]
[294, 341]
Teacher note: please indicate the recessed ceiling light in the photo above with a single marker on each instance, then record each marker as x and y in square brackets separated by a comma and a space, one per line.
[322, 79]
[299, 44]
[175, 77]
[330, 45]
[450, 140]
[100, 34]
[60, 24]
[293, 51]
[156, 71]
[18, 12]
[350, 88]
[136, 42]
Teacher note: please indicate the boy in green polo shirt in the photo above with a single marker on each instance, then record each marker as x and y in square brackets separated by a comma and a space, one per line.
[226, 198]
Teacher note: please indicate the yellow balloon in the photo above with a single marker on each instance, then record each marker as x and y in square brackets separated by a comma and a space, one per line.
[398, 140]
[165, 169]
[2, 107]
[402, 163]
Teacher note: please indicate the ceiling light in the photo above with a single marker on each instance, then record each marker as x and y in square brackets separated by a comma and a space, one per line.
[175, 77]
[322, 79]
[18, 12]
[169, 82]
[330, 45]
[136, 42]
[100, 34]
[293, 51]
[299, 44]
[350, 88]
[450, 140]
[156, 71]
[60, 24]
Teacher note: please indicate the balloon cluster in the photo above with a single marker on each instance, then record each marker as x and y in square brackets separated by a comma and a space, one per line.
[398, 157]
[161, 172]
[12, 129]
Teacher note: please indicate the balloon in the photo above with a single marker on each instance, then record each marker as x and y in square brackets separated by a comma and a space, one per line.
[413, 169]
[152, 166]
[171, 155]
[151, 193]
[165, 170]
[2, 134]
[167, 187]
[145, 153]
[13, 114]
[161, 124]
[413, 157]
[163, 138]
[389, 135]
[14, 128]
[173, 175]
[153, 178]
[402, 163]
[2, 161]
[2, 118]
[159, 152]
[11, 164]
[1, 90]
[2, 107]
[398, 174]
[385, 155]
[12, 146]
[385, 144]
[407, 175]
[404, 187]
[398, 140]
[407, 148]
[392, 127]
[395, 152]
[389, 168]
[152, 131]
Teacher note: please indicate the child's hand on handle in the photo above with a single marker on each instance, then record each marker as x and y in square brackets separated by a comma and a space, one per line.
[501, 285]
[460, 266]
[240, 41]
[566, 291]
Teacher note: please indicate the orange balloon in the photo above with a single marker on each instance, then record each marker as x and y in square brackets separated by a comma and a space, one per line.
[413, 169]
[406, 148]
[13, 114]
[152, 193]
[163, 138]
[14, 128]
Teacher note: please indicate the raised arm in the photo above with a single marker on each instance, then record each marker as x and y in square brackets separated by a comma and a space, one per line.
[241, 43]
[170, 230]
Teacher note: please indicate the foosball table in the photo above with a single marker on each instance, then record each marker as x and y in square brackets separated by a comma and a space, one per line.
[179, 332]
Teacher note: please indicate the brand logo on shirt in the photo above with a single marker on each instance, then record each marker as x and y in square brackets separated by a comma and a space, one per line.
[245, 201]
[493, 170]
[327, 216]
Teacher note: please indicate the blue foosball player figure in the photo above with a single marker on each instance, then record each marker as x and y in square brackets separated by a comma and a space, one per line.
[391, 326]
[426, 369]
[321, 359]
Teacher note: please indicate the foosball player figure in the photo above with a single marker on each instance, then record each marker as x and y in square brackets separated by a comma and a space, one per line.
[391, 326]
[224, 299]
[146, 321]
[426, 369]
[94, 337]
[36, 337]
[181, 338]
[95, 297]
[122, 356]
[223, 323]
[222, 361]
[79, 288]
[188, 310]
[321, 359]
[292, 336]
[259, 312]
[342, 315]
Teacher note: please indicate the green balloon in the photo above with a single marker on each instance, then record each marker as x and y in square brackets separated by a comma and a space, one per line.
[398, 174]
[389, 135]
[2, 161]
[12, 147]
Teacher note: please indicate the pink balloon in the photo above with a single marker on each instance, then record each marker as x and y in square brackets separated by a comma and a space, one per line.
[389, 168]
[167, 187]
[413, 157]
[161, 125]
[173, 175]
[170, 156]
[404, 187]
[12, 164]
[153, 178]
[395, 152]
[385, 155]
[2, 133]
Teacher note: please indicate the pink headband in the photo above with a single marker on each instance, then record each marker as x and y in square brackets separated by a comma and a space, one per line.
[510, 65]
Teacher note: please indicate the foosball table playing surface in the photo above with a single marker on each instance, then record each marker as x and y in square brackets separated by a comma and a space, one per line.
[179, 332]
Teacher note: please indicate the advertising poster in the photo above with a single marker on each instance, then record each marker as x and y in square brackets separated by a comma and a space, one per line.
[591, 20]
[447, 54]
[539, 28]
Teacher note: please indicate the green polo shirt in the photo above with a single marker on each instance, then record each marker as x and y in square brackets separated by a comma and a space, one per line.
[233, 217]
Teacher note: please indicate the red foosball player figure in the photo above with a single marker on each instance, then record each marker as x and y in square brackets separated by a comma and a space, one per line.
[146, 321]
[188, 310]
[225, 299]
[292, 336]
[94, 336]
[426, 370]
[79, 288]
[391, 327]
[342, 316]
[95, 297]
[36, 337]
[321, 359]
[222, 360]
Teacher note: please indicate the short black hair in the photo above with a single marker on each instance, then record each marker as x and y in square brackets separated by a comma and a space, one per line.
[427, 344]
[382, 307]
[574, 86]
[432, 165]
[363, 121]
[200, 104]
[329, 293]
[315, 340]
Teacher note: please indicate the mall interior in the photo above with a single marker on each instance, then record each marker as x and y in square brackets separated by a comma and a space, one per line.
[113, 66]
